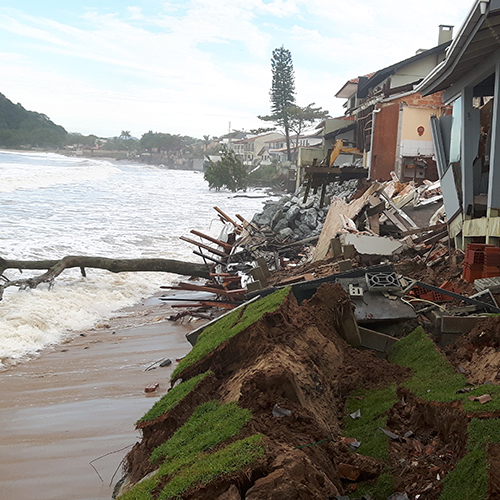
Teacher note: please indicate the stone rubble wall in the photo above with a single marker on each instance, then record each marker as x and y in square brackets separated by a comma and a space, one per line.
[292, 220]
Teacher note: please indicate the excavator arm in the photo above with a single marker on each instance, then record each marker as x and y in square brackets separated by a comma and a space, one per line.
[339, 148]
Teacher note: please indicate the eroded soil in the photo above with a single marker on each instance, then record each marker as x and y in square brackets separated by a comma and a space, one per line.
[295, 358]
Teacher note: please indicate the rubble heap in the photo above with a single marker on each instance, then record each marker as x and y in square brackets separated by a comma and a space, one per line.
[292, 218]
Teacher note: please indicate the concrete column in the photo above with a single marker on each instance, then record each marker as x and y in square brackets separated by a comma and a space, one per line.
[494, 178]
[469, 147]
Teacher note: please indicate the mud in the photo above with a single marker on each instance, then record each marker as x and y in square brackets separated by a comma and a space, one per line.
[477, 352]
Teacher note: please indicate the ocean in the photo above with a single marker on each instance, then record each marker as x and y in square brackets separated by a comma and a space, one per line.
[53, 205]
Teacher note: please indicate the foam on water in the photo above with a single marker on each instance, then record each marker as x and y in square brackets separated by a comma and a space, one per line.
[20, 172]
[73, 206]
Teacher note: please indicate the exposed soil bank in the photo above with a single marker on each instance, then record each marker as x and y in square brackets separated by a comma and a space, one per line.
[79, 401]
[296, 359]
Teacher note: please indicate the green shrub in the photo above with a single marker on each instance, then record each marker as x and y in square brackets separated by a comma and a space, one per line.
[229, 326]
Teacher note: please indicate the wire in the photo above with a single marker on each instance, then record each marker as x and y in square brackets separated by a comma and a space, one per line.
[423, 300]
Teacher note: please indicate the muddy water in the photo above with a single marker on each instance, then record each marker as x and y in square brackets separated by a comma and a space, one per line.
[79, 402]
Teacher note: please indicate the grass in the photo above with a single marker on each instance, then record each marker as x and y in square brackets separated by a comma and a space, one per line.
[186, 459]
[381, 489]
[172, 398]
[434, 379]
[481, 432]
[210, 425]
[374, 405]
[201, 469]
[207, 468]
[229, 326]
[469, 479]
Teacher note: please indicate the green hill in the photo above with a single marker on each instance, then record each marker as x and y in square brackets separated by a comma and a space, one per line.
[20, 127]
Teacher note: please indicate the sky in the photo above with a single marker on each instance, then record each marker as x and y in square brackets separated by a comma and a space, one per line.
[198, 67]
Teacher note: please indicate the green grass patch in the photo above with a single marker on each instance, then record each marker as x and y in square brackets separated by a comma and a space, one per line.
[434, 379]
[229, 326]
[469, 479]
[186, 458]
[210, 425]
[172, 398]
[381, 489]
[481, 432]
[374, 405]
[209, 467]
[201, 468]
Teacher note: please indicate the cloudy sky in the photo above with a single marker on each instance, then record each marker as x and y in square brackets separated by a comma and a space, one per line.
[196, 67]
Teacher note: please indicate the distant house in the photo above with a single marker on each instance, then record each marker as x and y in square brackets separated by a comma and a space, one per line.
[391, 119]
[468, 142]
[252, 150]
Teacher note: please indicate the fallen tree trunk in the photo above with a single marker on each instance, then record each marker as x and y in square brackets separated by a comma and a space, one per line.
[56, 267]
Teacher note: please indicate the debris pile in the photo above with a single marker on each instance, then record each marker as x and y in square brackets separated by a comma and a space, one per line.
[295, 217]
[377, 377]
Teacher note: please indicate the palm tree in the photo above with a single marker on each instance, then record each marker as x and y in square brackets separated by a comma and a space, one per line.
[125, 134]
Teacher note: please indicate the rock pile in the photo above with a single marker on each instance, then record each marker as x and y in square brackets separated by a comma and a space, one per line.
[291, 219]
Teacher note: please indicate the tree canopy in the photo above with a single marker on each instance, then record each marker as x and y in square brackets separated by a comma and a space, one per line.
[228, 172]
[282, 92]
[301, 118]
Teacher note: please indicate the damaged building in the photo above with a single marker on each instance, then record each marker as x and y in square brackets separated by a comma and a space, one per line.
[392, 118]
[467, 143]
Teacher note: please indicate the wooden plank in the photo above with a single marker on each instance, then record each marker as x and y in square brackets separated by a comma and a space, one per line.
[226, 217]
[227, 247]
[206, 247]
[419, 230]
[395, 220]
[209, 258]
[209, 289]
[225, 305]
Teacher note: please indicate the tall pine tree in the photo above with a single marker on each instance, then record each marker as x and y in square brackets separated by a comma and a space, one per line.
[282, 92]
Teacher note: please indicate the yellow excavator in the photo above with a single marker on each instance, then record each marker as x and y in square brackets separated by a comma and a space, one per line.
[339, 148]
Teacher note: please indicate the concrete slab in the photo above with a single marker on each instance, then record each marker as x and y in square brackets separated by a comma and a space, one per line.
[372, 245]
[376, 341]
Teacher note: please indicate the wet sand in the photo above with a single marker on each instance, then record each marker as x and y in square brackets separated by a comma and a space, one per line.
[79, 401]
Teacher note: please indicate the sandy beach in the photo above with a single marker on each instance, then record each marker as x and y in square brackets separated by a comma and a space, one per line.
[78, 401]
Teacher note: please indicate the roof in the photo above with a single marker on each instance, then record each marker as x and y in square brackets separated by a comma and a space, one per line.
[255, 137]
[476, 40]
[382, 74]
[350, 87]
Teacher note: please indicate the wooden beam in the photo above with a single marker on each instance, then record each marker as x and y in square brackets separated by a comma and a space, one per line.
[226, 217]
[227, 247]
[206, 247]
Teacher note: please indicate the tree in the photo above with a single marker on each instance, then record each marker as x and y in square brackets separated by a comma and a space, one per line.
[56, 267]
[282, 92]
[125, 134]
[228, 172]
[302, 118]
[206, 141]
